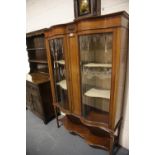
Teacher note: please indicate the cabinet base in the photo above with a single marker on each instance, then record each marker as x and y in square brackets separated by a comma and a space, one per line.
[93, 136]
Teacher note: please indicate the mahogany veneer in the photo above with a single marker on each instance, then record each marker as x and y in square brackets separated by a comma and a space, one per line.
[94, 52]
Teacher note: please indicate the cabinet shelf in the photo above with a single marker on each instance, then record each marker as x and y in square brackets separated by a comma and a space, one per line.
[61, 62]
[39, 61]
[37, 78]
[92, 65]
[62, 84]
[98, 93]
[33, 49]
[83, 131]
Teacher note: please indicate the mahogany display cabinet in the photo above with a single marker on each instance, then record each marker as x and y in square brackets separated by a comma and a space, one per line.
[38, 90]
[87, 66]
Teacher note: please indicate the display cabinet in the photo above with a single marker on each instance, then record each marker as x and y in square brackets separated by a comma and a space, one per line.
[87, 67]
[38, 91]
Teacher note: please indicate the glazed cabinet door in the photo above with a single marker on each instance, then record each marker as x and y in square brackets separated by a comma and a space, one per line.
[57, 54]
[96, 71]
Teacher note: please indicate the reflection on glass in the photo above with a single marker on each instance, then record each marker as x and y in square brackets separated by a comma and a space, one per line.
[84, 7]
[96, 68]
[58, 62]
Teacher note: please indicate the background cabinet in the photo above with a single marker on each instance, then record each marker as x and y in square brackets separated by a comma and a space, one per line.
[88, 68]
[38, 91]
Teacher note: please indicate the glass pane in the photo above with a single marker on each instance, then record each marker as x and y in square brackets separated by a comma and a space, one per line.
[96, 68]
[58, 62]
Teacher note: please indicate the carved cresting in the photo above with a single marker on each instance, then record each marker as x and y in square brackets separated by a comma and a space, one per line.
[71, 28]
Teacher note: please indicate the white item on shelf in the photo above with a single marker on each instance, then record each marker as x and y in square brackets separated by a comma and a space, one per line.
[98, 93]
[98, 65]
[62, 84]
[62, 62]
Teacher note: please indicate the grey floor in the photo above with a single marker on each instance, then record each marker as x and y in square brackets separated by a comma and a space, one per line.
[49, 140]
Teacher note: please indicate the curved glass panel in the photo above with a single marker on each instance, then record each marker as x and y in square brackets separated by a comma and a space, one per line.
[96, 68]
[59, 71]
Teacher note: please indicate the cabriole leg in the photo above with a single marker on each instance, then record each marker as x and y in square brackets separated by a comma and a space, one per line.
[119, 130]
[111, 144]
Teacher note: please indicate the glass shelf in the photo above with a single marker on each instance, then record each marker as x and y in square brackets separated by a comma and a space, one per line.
[62, 84]
[93, 92]
[61, 62]
[97, 65]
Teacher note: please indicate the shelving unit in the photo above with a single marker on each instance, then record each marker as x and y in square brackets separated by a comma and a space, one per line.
[37, 52]
[38, 91]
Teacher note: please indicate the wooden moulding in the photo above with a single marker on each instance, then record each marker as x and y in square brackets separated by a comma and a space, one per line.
[117, 19]
[75, 126]
[36, 33]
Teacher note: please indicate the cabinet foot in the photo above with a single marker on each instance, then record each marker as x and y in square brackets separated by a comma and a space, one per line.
[111, 144]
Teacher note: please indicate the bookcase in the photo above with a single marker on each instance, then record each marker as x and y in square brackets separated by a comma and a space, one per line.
[38, 91]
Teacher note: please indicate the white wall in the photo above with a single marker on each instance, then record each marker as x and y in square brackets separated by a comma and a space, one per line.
[45, 13]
